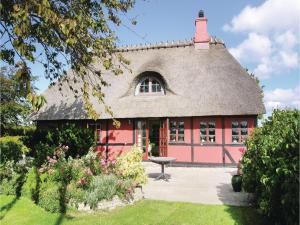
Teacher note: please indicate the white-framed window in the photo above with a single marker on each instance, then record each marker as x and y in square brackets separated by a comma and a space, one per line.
[239, 131]
[176, 130]
[207, 131]
[149, 86]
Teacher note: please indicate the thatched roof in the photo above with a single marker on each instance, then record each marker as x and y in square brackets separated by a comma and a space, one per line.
[198, 82]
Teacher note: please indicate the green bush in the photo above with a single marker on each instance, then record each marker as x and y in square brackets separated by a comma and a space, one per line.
[7, 169]
[271, 166]
[12, 148]
[12, 185]
[50, 198]
[18, 130]
[43, 142]
[31, 186]
[102, 187]
[129, 166]
[75, 195]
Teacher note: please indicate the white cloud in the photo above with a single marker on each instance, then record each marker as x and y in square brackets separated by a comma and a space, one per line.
[287, 40]
[282, 98]
[272, 44]
[253, 48]
[271, 15]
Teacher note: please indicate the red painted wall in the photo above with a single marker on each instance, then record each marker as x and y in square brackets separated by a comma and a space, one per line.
[191, 150]
[124, 134]
[212, 154]
[181, 153]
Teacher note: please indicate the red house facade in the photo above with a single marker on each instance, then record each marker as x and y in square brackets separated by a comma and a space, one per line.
[190, 100]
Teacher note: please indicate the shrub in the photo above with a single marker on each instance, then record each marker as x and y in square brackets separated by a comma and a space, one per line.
[12, 177]
[75, 194]
[31, 186]
[7, 169]
[12, 148]
[271, 166]
[102, 187]
[50, 197]
[43, 142]
[129, 166]
[12, 185]
[18, 130]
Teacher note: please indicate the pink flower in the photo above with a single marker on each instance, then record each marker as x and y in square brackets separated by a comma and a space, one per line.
[242, 150]
[103, 163]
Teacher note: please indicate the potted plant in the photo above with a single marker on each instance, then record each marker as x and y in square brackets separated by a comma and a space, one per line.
[236, 182]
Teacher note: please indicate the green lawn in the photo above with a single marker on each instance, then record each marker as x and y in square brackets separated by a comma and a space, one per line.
[23, 211]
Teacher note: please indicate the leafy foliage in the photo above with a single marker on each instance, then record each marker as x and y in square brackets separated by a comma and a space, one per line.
[102, 187]
[12, 178]
[12, 148]
[57, 32]
[43, 142]
[50, 198]
[271, 166]
[13, 106]
[30, 188]
[129, 166]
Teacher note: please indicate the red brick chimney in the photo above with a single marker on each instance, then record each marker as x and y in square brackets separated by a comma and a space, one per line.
[202, 38]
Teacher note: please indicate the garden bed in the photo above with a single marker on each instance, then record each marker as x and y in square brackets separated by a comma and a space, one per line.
[114, 203]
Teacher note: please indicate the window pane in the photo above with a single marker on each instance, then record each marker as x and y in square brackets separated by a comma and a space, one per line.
[235, 124]
[156, 86]
[144, 87]
[212, 125]
[180, 137]
[244, 124]
[203, 126]
[172, 130]
[235, 132]
[212, 138]
[181, 127]
[243, 138]
[235, 139]
[172, 137]
[244, 131]
[181, 131]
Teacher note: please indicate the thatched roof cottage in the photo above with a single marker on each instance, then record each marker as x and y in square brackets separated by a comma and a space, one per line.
[191, 100]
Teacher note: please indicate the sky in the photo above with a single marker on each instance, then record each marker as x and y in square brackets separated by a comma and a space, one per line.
[264, 36]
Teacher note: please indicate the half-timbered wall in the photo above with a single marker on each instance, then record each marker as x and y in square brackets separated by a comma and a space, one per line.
[111, 142]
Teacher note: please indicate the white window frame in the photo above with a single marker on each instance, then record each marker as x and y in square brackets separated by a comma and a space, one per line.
[137, 89]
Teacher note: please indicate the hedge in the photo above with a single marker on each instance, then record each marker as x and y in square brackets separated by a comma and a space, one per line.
[271, 166]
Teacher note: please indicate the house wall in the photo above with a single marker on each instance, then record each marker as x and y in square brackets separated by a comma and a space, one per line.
[112, 142]
[219, 152]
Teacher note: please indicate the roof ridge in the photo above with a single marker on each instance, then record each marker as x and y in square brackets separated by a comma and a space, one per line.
[166, 44]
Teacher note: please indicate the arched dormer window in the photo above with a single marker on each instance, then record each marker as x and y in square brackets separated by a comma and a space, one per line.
[149, 86]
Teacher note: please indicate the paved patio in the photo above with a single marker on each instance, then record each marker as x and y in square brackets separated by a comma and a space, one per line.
[207, 185]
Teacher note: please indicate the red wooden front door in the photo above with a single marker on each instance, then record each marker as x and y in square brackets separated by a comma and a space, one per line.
[163, 138]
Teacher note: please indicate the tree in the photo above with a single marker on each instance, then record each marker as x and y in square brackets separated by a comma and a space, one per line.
[57, 33]
[13, 106]
[271, 166]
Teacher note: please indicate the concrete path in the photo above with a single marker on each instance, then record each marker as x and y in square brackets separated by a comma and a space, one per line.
[191, 184]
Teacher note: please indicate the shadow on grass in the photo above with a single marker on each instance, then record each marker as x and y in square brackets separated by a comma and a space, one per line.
[246, 216]
[7, 207]
[240, 206]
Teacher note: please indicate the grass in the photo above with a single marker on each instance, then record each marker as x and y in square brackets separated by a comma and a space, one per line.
[23, 211]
